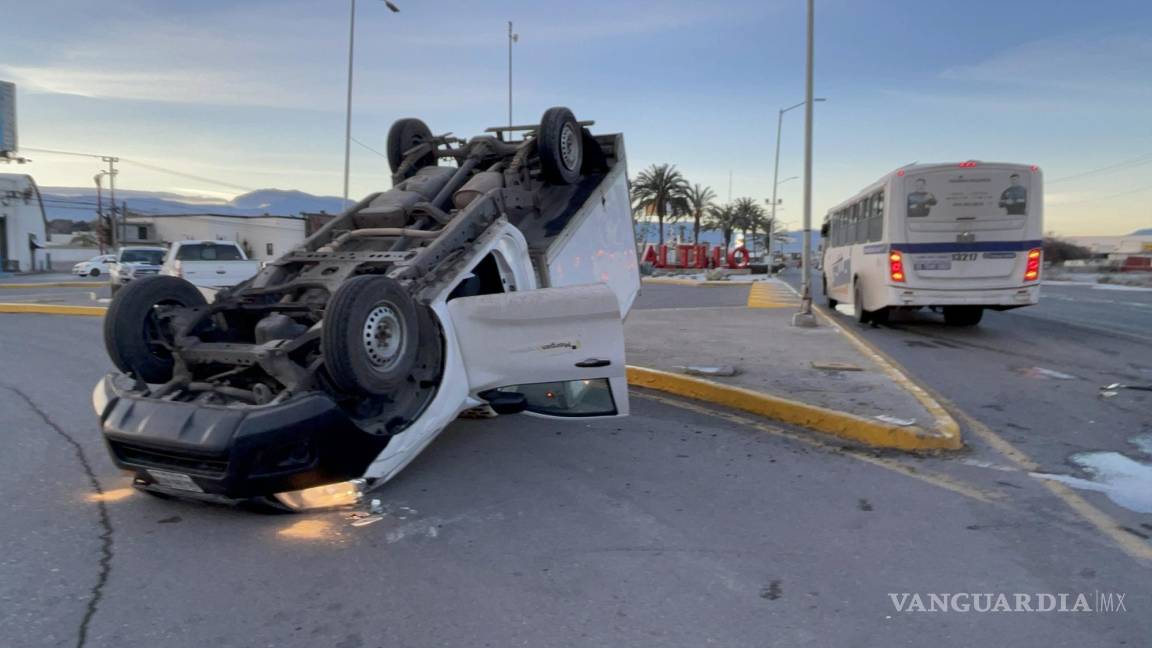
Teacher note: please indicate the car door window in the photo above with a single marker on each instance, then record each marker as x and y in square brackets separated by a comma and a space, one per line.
[591, 397]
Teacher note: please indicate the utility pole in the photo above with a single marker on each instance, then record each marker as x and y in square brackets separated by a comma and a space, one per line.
[805, 318]
[99, 211]
[512, 38]
[111, 173]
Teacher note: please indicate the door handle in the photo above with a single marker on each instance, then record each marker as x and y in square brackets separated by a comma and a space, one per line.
[591, 363]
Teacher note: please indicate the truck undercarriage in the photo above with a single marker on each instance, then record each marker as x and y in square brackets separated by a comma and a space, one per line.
[337, 334]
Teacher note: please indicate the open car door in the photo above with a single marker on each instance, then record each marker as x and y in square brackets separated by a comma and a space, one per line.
[550, 352]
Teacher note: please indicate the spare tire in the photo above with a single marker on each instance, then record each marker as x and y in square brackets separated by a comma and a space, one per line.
[405, 134]
[560, 146]
[371, 335]
[133, 336]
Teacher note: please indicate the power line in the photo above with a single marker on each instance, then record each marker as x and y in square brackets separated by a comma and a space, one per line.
[145, 165]
[189, 176]
[39, 150]
[369, 148]
[1138, 161]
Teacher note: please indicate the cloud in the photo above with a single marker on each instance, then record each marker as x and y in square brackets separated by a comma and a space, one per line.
[1116, 66]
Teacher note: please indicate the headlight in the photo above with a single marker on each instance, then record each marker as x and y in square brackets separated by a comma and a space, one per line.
[101, 394]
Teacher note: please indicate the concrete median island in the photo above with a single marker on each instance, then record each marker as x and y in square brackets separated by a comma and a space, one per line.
[824, 379]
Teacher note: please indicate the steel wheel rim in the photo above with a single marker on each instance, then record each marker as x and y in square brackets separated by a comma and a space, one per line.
[383, 337]
[569, 147]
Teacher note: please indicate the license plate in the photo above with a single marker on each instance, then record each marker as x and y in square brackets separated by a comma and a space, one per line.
[932, 265]
[175, 481]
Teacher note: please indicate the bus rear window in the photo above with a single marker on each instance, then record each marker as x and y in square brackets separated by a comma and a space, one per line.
[967, 194]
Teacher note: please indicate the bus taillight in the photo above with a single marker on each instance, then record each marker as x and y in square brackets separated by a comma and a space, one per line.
[896, 266]
[1032, 270]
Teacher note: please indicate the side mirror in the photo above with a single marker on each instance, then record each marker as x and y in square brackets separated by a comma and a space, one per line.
[505, 402]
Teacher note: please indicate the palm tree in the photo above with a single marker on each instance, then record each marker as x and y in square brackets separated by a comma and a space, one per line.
[750, 216]
[725, 219]
[699, 199]
[660, 190]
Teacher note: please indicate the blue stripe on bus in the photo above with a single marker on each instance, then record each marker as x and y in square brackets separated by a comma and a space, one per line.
[982, 246]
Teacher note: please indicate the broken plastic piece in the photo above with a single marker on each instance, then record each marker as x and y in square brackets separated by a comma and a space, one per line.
[722, 370]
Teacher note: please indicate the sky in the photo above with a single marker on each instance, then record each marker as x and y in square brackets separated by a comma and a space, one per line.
[250, 94]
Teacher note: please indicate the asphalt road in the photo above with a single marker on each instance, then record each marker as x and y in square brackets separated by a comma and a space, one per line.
[678, 526]
[1034, 376]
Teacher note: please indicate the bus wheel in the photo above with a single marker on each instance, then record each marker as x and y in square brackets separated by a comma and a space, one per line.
[831, 302]
[862, 316]
[963, 315]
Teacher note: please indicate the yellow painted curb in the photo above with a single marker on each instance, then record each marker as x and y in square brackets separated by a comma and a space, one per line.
[57, 284]
[841, 424]
[53, 309]
[944, 423]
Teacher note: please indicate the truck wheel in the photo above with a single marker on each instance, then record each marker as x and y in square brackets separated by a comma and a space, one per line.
[832, 303]
[133, 336]
[370, 336]
[963, 315]
[405, 134]
[560, 145]
[862, 316]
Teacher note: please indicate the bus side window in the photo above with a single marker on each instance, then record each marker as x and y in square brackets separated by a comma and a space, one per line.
[861, 209]
[876, 217]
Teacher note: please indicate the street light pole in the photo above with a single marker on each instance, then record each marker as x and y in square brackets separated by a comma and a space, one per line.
[776, 164]
[772, 220]
[805, 317]
[512, 38]
[348, 106]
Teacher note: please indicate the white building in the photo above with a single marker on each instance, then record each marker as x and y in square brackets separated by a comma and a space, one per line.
[23, 225]
[263, 237]
[1115, 247]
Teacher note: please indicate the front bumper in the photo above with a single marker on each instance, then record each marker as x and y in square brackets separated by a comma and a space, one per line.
[233, 452]
[999, 298]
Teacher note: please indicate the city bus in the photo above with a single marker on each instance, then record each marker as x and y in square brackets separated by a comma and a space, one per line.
[956, 237]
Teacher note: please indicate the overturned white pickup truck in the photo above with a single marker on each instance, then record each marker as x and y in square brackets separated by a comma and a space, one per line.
[500, 282]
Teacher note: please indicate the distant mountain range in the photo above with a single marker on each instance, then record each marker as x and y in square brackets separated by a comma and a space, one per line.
[79, 203]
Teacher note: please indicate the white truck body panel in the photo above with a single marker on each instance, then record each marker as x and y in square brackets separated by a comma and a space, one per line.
[599, 245]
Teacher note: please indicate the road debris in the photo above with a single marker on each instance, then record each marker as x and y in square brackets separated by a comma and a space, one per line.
[1043, 374]
[721, 370]
[836, 366]
[895, 420]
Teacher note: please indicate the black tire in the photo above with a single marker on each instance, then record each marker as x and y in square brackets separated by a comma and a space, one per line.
[963, 315]
[94, 272]
[862, 316]
[405, 134]
[560, 145]
[832, 303]
[131, 332]
[357, 359]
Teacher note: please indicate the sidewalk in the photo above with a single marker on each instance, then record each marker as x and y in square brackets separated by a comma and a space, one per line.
[821, 378]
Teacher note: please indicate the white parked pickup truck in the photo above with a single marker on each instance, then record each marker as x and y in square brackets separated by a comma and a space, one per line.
[209, 264]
